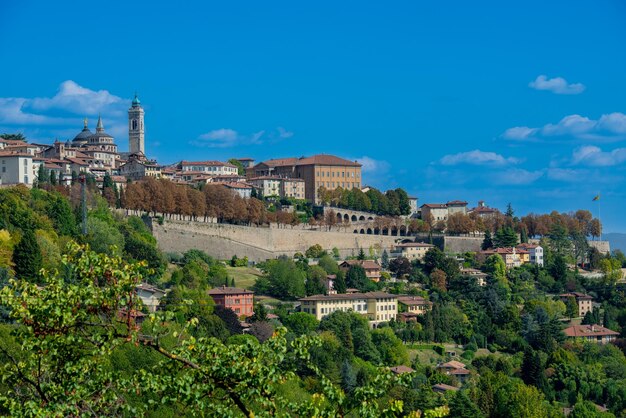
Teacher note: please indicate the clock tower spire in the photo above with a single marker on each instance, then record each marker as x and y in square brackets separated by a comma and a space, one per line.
[135, 128]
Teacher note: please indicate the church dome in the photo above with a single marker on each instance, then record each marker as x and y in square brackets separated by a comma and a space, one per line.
[84, 135]
[136, 101]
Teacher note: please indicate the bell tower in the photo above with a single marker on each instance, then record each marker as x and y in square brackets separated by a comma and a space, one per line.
[136, 128]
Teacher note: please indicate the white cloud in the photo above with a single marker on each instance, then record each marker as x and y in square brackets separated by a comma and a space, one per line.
[609, 127]
[516, 176]
[226, 137]
[593, 156]
[283, 133]
[370, 165]
[12, 113]
[566, 174]
[76, 99]
[557, 85]
[60, 117]
[478, 157]
[223, 138]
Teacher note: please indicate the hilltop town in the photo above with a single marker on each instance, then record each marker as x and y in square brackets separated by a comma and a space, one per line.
[221, 267]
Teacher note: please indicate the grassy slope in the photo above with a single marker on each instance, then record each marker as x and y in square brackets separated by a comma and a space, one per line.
[244, 276]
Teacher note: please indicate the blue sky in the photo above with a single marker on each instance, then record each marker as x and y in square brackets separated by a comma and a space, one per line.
[449, 100]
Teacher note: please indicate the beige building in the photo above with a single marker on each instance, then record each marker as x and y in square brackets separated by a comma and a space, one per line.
[269, 186]
[411, 250]
[438, 211]
[377, 307]
[414, 304]
[316, 171]
[372, 268]
[591, 333]
[584, 302]
[292, 188]
[511, 256]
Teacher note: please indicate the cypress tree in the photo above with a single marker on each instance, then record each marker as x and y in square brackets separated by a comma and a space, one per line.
[385, 260]
[487, 242]
[27, 256]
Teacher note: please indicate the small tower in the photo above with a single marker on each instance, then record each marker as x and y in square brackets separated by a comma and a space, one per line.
[135, 128]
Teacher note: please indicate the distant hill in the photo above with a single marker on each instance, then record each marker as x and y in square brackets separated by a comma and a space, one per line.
[617, 240]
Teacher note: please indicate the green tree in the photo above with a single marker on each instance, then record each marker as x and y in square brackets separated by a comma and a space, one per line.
[461, 406]
[315, 281]
[356, 277]
[315, 251]
[571, 307]
[27, 256]
[487, 242]
[384, 259]
[329, 264]
[241, 170]
[361, 255]
[53, 178]
[505, 237]
[301, 323]
[339, 285]
[103, 237]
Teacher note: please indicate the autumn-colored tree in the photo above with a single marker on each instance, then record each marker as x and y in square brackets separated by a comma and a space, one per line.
[438, 279]
[330, 219]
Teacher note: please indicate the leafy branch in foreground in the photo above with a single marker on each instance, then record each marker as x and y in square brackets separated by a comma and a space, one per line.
[57, 361]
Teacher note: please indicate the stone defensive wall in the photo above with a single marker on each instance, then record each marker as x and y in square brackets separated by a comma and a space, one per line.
[259, 243]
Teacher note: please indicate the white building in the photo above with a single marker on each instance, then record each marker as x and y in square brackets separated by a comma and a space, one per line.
[269, 186]
[214, 168]
[535, 251]
[16, 168]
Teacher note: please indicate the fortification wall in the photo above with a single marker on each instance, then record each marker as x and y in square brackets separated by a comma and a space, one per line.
[223, 240]
[462, 244]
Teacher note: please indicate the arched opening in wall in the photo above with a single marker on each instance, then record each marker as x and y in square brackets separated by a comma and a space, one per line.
[362, 231]
[394, 230]
[339, 217]
[346, 217]
[356, 231]
[403, 230]
[369, 218]
[361, 218]
[369, 231]
[376, 231]
[353, 219]
[385, 231]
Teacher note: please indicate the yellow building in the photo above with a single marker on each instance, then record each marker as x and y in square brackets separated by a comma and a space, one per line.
[411, 250]
[317, 171]
[377, 307]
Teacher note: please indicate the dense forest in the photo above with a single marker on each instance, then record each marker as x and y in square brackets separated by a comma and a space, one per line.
[75, 339]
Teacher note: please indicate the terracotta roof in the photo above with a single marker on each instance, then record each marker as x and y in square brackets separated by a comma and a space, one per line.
[576, 295]
[527, 246]
[588, 331]
[366, 264]
[236, 185]
[459, 372]
[457, 203]
[324, 159]
[265, 178]
[434, 205]
[506, 250]
[401, 369]
[280, 162]
[208, 163]
[453, 364]
[14, 154]
[149, 288]
[229, 291]
[413, 301]
[351, 296]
